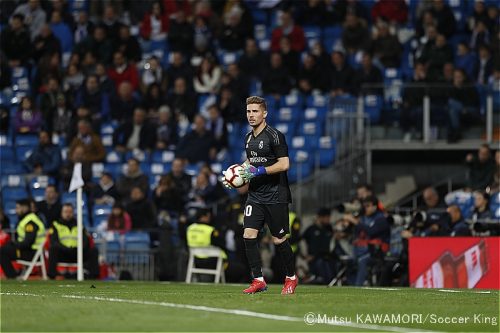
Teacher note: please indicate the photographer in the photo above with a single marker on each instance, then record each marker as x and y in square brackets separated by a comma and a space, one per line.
[431, 220]
[372, 236]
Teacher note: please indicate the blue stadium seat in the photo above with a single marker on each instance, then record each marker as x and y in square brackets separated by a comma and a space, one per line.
[6, 154]
[141, 155]
[38, 194]
[373, 107]
[306, 161]
[292, 100]
[287, 114]
[314, 114]
[11, 168]
[310, 128]
[29, 140]
[115, 169]
[326, 151]
[14, 193]
[159, 168]
[13, 181]
[41, 182]
[163, 156]
[114, 156]
[23, 152]
[317, 101]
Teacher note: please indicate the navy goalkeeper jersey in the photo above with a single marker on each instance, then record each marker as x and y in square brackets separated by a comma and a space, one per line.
[264, 150]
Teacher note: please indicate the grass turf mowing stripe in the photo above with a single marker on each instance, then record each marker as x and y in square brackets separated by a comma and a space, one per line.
[225, 311]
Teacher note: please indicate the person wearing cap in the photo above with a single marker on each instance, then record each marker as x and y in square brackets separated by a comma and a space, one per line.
[318, 238]
[30, 235]
[372, 234]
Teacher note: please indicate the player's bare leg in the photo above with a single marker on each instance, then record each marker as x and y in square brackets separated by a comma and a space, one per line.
[254, 260]
[288, 259]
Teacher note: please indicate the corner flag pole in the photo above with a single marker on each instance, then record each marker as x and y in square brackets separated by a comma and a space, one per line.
[77, 184]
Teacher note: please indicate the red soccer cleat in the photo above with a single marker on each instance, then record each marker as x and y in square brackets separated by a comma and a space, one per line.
[290, 285]
[256, 287]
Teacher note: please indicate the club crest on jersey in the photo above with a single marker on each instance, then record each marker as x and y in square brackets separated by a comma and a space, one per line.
[261, 144]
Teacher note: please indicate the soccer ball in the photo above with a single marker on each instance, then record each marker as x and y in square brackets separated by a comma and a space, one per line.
[232, 176]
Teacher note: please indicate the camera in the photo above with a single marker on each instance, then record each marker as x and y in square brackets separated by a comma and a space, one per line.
[398, 220]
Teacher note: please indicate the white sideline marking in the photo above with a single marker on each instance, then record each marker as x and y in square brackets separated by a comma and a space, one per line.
[383, 289]
[225, 311]
[465, 291]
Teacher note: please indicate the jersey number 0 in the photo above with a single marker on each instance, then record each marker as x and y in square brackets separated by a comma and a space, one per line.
[248, 210]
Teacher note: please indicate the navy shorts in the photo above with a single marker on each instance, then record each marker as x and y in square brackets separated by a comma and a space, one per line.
[274, 215]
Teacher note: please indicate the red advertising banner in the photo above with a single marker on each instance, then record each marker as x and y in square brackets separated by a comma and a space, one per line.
[454, 262]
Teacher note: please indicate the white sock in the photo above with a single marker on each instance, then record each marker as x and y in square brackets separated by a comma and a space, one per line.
[292, 277]
[260, 279]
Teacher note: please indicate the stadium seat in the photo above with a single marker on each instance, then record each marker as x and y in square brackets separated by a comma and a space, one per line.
[310, 128]
[14, 193]
[314, 114]
[317, 101]
[141, 155]
[373, 107]
[166, 156]
[11, 168]
[23, 152]
[6, 154]
[287, 114]
[30, 140]
[41, 182]
[326, 151]
[292, 100]
[13, 181]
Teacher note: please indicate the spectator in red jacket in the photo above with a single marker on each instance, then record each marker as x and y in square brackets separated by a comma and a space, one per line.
[155, 24]
[122, 71]
[293, 32]
[394, 11]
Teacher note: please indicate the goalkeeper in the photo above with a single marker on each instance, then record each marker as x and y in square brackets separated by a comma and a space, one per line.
[268, 196]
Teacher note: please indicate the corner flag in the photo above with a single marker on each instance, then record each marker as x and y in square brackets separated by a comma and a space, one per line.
[77, 184]
[76, 178]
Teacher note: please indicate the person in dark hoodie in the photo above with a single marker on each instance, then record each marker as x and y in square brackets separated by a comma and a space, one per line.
[141, 210]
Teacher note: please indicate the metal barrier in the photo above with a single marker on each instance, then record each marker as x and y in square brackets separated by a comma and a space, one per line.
[350, 127]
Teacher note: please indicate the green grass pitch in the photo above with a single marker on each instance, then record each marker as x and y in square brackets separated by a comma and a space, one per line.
[63, 306]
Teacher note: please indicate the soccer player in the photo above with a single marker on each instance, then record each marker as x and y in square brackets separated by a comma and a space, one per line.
[268, 195]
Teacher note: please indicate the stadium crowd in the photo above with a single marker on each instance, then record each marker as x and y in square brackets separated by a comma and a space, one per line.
[128, 81]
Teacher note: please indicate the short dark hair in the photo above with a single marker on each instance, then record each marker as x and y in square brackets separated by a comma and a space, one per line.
[323, 211]
[18, 16]
[370, 199]
[257, 100]
[23, 202]
[67, 204]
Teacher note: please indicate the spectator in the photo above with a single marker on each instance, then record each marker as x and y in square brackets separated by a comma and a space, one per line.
[91, 143]
[153, 100]
[318, 237]
[48, 101]
[446, 23]
[355, 36]
[141, 209]
[412, 110]
[465, 59]
[180, 35]
[83, 27]
[27, 120]
[276, 81]
[369, 75]
[127, 44]
[479, 13]
[311, 77]
[235, 30]
[238, 83]
[153, 73]
[73, 80]
[253, 61]
[480, 35]
[481, 206]
[288, 28]
[372, 237]
[181, 101]
[208, 77]
[124, 102]
[178, 68]
[342, 75]
[341, 8]
[166, 131]
[231, 106]
[34, 16]
[45, 159]
[94, 99]
[97, 43]
[463, 104]
[202, 39]
[123, 71]
[119, 220]
[63, 244]
[62, 31]
[105, 83]
[132, 177]
[167, 196]
[155, 24]
[392, 11]
[111, 22]
[311, 12]
[480, 169]
[105, 192]
[217, 126]
[82, 113]
[435, 55]
[15, 42]
[203, 193]
[386, 47]
[484, 65]
[181, 179]
[137, 133]
[290, 58]
[458, 227]
[76, 155]
[46, 43]
[49, 208]
[495, 183]
[198, 145]
[88, 63]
